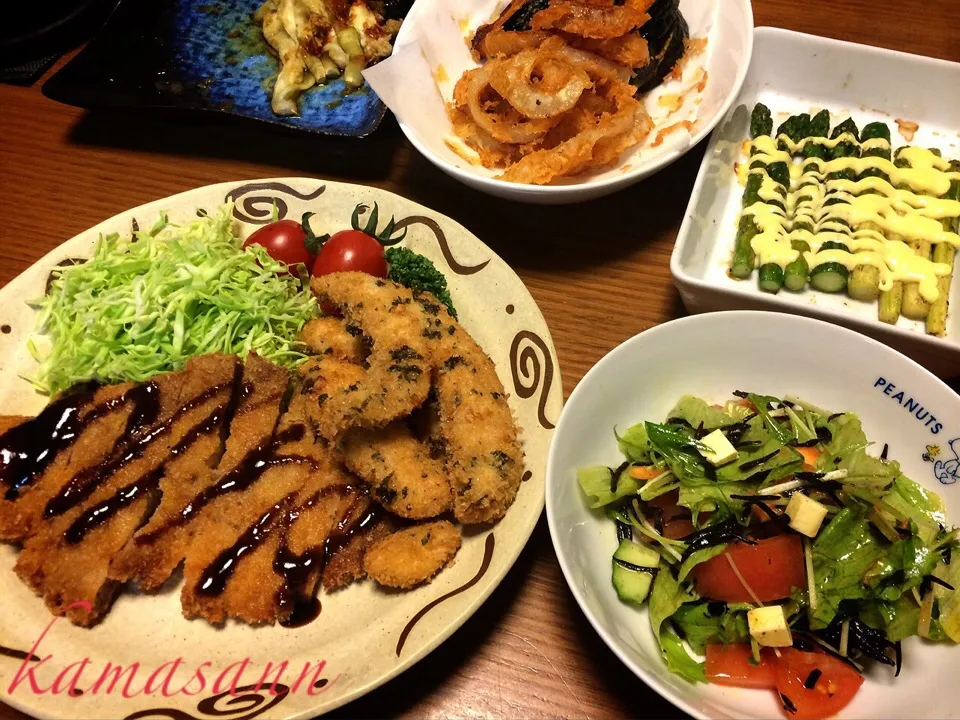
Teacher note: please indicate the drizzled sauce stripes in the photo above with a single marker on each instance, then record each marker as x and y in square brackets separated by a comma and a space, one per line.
[84, 483]
[242, 476]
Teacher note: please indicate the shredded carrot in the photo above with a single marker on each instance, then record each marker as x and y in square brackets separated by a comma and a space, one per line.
[644, 472]
[810, 457]
[744, 402]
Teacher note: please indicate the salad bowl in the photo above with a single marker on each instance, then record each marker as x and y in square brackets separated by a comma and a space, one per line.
[900, 405]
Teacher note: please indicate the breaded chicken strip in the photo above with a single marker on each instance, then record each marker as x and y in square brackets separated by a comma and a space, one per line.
[480, 437]
[413, 556]
[330, 336]
[403, 477]
[397, 378]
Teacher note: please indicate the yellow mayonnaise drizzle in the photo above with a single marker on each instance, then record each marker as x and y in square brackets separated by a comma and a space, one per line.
[883, 213]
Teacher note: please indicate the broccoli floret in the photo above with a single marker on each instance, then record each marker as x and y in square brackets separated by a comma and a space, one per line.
[417, 273]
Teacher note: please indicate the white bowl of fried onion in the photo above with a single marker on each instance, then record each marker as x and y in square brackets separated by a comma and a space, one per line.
[546, 114]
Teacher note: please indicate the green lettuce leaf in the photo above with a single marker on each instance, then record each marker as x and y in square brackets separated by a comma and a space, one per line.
[920, 505]
[634, 443]
[696, 411]
[783, 433]
[842, 553]
[665, 598]
[678, 660]
[595, 482]
[699, 627]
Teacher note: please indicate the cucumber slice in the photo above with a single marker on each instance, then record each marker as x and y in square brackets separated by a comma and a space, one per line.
[771, 278]
[633, 553]
[632, 586]
[829, 277]
[833, 245]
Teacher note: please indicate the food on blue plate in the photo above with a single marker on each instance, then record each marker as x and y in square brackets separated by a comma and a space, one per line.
[557, 93]
[761, 534]
[317, 41]
[844, 211]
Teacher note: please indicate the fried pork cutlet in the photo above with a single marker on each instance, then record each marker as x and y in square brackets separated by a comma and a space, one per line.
[396, 379]
[403, 477]
[413, 556]
[38, 458]
[258, 552]
[152, 555]
[329, 336]
[484, 459]
[98, 512]
[345, 563]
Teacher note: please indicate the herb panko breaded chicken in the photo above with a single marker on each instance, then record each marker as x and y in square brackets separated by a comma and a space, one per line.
[480, 444]
[413, 556]
[403, 477]
[397, 377]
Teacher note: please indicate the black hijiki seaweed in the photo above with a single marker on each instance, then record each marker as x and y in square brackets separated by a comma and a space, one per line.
[864, 640]
[722, 533]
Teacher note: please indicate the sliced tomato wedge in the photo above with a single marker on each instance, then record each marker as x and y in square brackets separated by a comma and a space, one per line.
[771, 568]
[733, 665]
[814, 685]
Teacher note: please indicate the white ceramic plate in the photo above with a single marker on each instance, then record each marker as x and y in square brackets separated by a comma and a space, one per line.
[791, 73]
[364, 635]
[411, 92]
[710, 356]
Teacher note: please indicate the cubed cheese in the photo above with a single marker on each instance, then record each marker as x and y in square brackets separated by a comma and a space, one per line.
[721, 451]
[806, 514]
[768, 626]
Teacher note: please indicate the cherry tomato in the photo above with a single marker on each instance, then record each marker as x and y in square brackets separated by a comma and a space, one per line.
[283, 240]
[771, 568]
[733, 665]
[814, 695]
[351, 251]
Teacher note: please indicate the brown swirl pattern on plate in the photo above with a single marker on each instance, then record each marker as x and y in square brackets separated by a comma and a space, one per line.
[528, 369]
[488, 547]
[257, 209]
[246, 703]
[437, 231]
[17, 654]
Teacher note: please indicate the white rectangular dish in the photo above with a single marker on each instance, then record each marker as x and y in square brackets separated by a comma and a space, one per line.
[790, 73]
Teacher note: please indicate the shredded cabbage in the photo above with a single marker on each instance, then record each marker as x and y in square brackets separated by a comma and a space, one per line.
[145, 305]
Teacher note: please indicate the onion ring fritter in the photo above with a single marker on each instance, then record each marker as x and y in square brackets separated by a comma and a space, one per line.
[539, 84]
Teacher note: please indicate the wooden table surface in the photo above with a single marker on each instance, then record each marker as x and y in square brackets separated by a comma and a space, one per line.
[599, 272]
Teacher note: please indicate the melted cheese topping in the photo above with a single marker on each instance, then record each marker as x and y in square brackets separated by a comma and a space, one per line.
[872, 216]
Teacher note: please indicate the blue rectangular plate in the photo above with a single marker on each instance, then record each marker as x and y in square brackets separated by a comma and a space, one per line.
[195, 55]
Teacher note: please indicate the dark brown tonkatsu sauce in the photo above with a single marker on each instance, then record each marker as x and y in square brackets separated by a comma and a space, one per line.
[214, 579]
[84, 483]
[296, 569]
[28, 449]
[247, 472]
[103, 511]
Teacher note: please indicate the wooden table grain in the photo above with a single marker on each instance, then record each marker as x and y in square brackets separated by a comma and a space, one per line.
[599, 272]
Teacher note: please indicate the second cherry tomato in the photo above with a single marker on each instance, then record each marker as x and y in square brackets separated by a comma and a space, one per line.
[283, 241]
[733, 665]
[351, 251]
